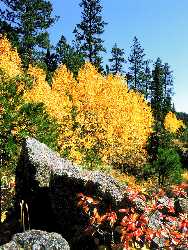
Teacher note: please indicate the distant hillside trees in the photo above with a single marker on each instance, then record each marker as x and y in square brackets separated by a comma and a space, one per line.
[183, 116]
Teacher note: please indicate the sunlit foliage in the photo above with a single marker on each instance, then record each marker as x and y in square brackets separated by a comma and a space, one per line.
[171, 123]
[99, 116]
[10, 61]
[101, 120]
[19, 119]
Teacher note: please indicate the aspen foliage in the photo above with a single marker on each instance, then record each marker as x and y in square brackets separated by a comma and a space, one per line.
[96, 113]
[10, 62]
[18, 118]
[171, 123]
[99, 116]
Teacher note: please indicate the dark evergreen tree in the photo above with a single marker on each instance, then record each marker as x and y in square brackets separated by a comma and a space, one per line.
[167, 105]
[30, 20]
[182, 116]
[161, 90]
[107, 71]
[117, 60]
[68, 55]
[173, 108]
[168, 88]
[87, 33]
[136, 60]
[50, 60]
[49, 63]
[147, 77]
[10, 32]
[164, 161]
[168, 80]
[157, 90]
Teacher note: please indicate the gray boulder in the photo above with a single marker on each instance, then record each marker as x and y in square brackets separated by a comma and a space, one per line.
[36, 240]
[50, 186]
[48, 165]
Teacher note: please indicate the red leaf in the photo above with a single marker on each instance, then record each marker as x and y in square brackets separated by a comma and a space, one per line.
[131, 226]
[160, 206]
[171, 210]
[184, 224]
[138, 232]
[149, 235]
[176, 235]
[158, 234]
[143, 219]
[170, 218]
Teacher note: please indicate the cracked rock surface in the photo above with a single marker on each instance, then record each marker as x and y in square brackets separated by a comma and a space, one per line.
[36, 240]
[48, 163]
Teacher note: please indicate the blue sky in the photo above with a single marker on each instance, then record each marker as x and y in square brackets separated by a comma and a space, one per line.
[160, 25]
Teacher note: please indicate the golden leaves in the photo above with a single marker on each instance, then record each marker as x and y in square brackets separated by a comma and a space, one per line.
[95, 111]
[10, 61]
[171, 123]
[107, 116]
[118, 119]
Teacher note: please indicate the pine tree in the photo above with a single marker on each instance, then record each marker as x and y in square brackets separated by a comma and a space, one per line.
[157, 90]
[49, 63]
[68, 55]
[107, 69]
[50, 60]
[10, 32]
[161, 90]
[147, 76]
[117, 59]
[30, 20]
[168, 88]
[87, 33]
[136, 60]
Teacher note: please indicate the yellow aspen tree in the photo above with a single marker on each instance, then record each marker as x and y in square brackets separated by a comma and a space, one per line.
[18, 118]
[10, 62]
[171, 123]
[95, 113]
[110, 118]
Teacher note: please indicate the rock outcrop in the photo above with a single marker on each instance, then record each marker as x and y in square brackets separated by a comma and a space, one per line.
[50, 185]
[36, 240]
[49, 165]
